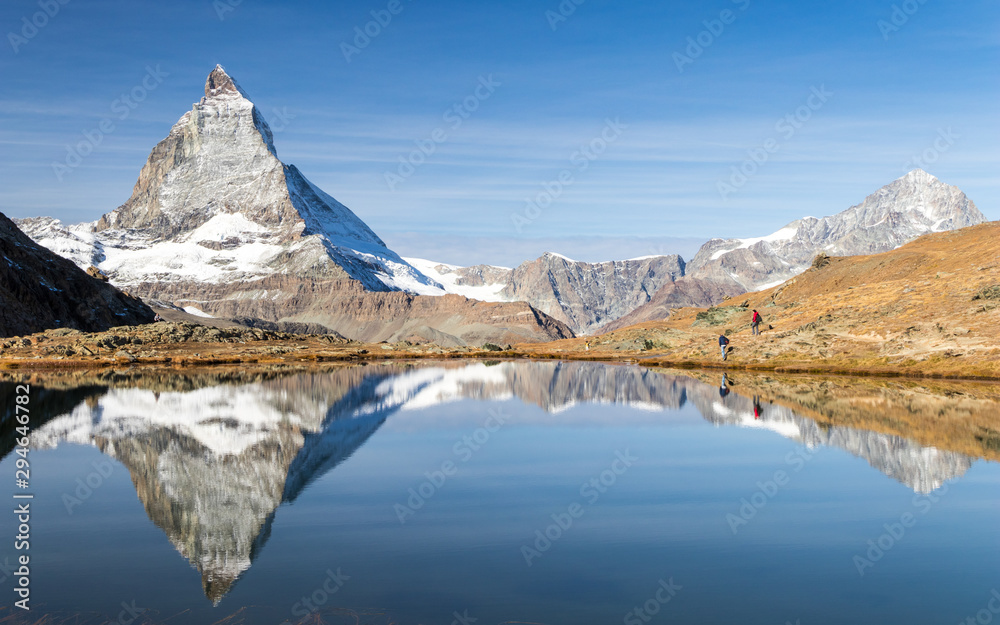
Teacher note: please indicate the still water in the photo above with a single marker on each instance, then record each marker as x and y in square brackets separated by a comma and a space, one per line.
[505, 492]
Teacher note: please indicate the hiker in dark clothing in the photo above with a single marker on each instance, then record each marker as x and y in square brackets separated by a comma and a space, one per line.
[724, 387]
[723, 343]
[755, 323]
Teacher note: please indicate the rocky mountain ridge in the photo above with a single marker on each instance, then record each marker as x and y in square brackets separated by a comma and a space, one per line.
[911, 206]
[582, 295]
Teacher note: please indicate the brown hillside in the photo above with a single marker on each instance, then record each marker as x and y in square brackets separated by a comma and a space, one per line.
[931, 306]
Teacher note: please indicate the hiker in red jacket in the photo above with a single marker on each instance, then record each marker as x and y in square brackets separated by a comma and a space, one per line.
[755, 323]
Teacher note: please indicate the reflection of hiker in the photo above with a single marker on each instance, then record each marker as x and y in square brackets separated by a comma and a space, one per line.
[755, 323]
[757, 410]
[723, 343]
[724, 388]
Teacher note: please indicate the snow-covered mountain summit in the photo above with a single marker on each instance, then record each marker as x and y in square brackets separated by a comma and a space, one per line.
[214, 204]
[911, 206]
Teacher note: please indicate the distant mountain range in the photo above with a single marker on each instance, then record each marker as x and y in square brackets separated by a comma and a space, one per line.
[912, 206]
[596, 297]
[218, 225]
[582, 295]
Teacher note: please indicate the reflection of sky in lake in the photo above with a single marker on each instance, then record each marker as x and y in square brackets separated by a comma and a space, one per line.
[664, 517]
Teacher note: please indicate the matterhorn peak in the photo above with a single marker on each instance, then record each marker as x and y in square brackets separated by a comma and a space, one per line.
[215, 205]
[219, 83]
[225, 99]
[918, 176]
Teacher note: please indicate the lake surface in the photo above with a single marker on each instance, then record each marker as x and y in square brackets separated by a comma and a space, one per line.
[506, 492]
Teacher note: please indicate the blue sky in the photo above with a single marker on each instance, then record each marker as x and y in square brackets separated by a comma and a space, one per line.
[604, 99]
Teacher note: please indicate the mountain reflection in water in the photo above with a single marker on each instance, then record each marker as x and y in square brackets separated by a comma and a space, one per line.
[212, 458]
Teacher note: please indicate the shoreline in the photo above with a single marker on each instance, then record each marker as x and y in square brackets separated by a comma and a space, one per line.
[184, 345]
[360, 354]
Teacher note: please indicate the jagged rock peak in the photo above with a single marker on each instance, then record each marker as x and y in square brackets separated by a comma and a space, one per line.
[220, 83]
[916, 180]
[918, 175]
[224, 98]
[919, 192]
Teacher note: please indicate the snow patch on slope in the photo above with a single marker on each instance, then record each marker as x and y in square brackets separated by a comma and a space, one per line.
[448, 276]
[785, 234]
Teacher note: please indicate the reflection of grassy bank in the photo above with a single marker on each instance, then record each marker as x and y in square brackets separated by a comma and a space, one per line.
[683, 342]
[963, 417]
[953, 416]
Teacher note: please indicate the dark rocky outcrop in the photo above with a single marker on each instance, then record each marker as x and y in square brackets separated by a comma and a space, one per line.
[40, 290]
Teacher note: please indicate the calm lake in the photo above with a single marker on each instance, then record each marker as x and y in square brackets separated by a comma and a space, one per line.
[504, 492]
